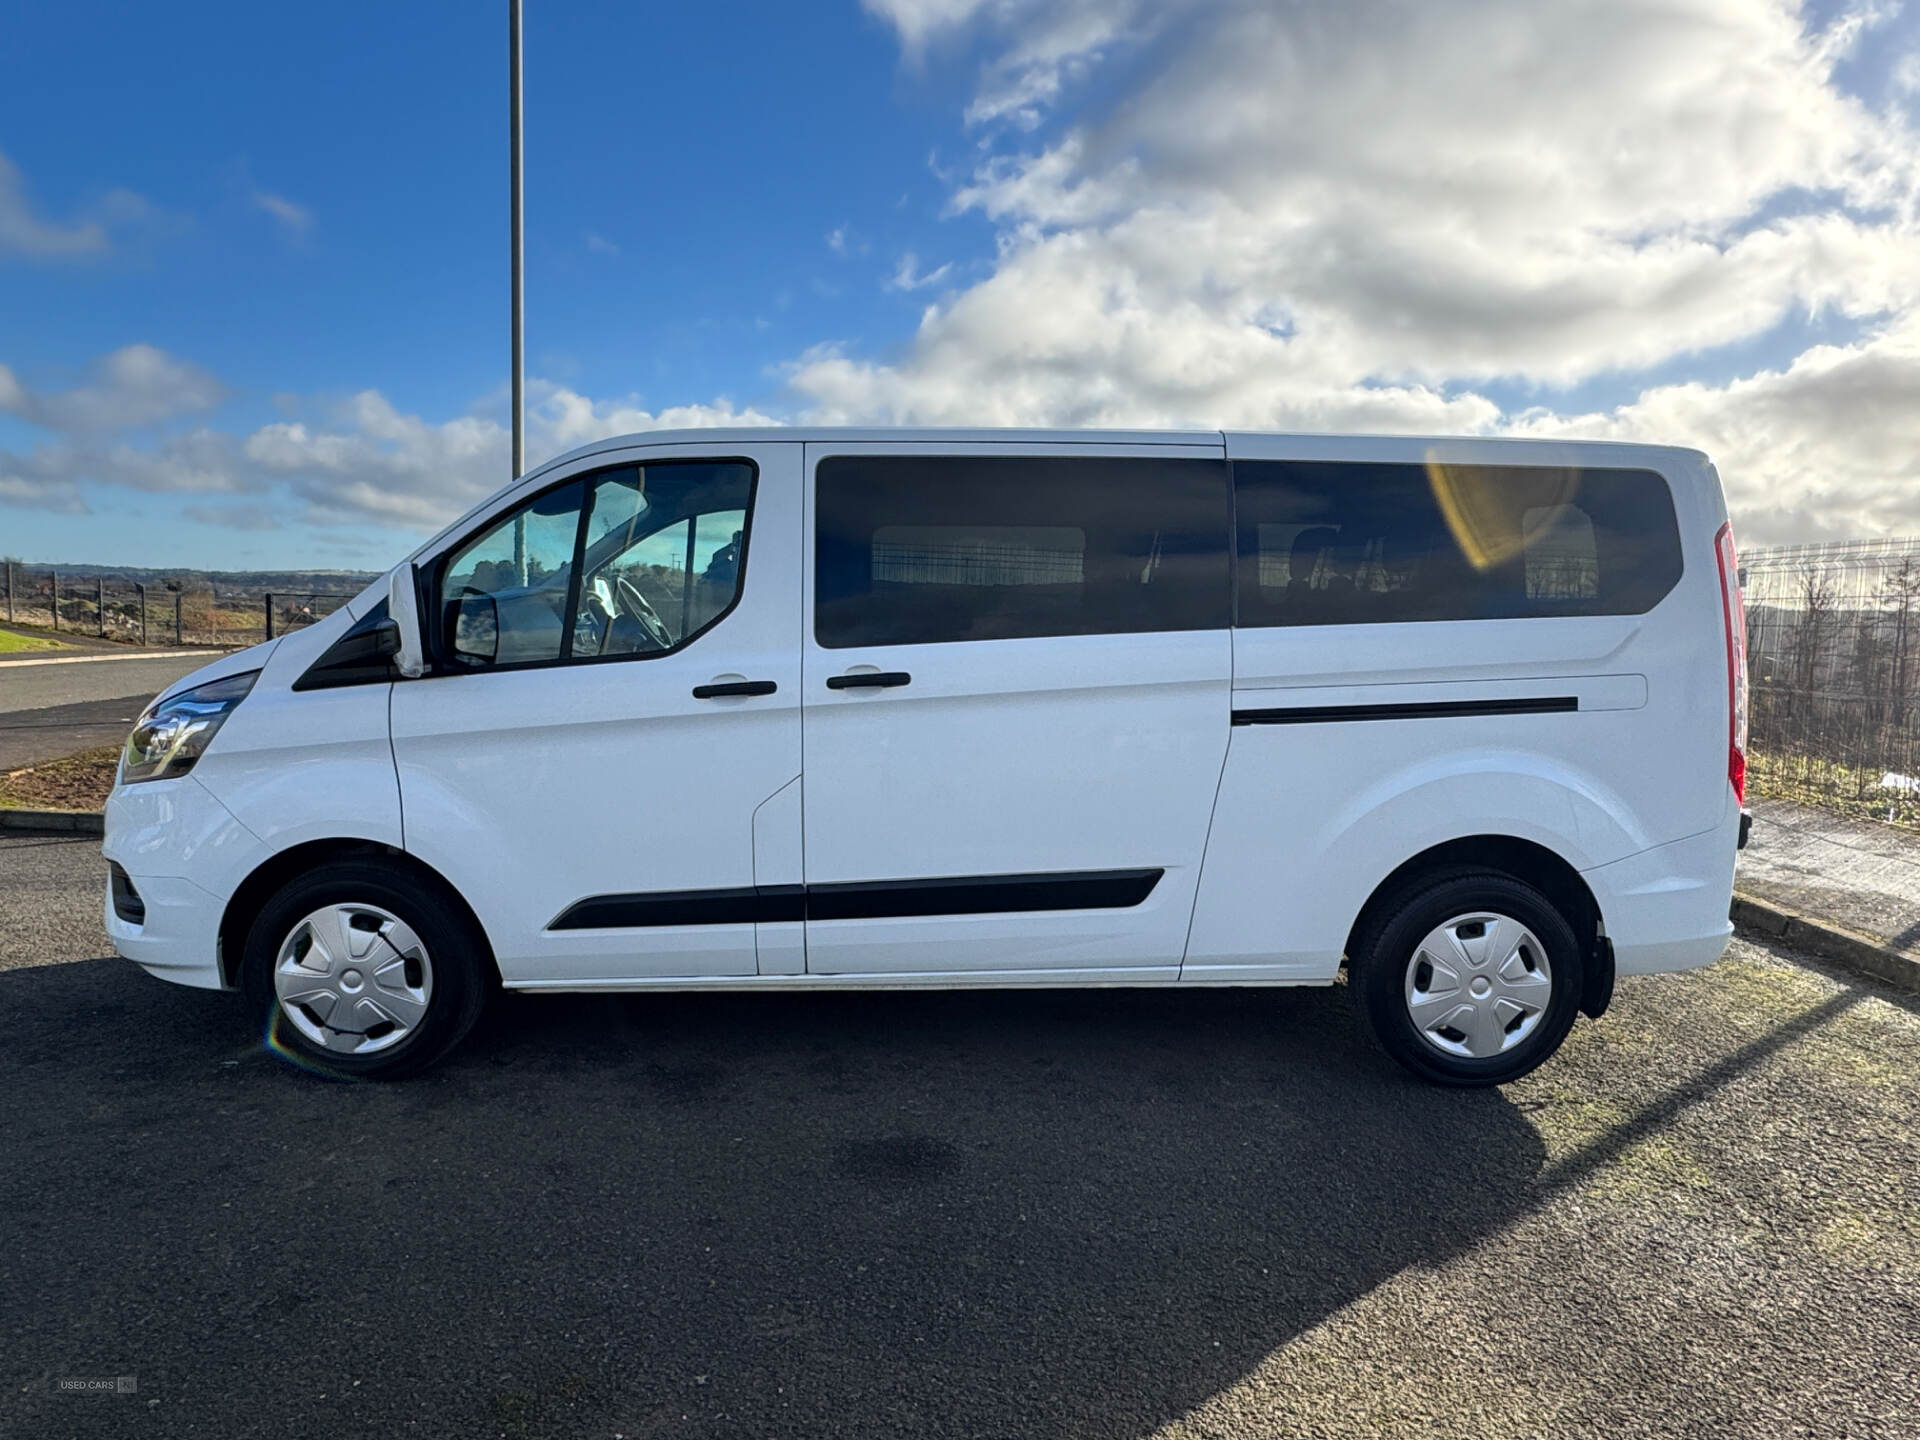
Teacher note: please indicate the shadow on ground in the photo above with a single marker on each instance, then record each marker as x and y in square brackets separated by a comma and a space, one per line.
[1018, 1214]
[1038, 1214]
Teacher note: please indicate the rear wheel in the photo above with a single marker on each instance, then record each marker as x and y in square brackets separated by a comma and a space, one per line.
[1467, 978]
[361, 972]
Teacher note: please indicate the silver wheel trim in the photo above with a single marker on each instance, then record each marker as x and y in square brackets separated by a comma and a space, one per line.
[353, 979]
[1478, 985]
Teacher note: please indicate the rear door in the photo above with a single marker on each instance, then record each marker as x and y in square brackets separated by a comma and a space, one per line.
[1016, 676]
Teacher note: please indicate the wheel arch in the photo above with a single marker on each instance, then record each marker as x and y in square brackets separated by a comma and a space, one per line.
[1527, 860]
[266, 879]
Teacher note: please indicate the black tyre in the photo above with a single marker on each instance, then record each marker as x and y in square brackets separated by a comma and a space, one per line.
[359, 970]
[1467, 977]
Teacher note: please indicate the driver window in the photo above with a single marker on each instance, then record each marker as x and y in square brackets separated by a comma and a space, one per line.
[503, 594]
[665, 551]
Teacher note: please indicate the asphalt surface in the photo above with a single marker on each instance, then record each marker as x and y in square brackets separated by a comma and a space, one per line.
[41, 682]
[1077, 1214]
[33, 737]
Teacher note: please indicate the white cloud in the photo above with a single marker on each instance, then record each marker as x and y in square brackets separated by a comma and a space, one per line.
[906, 275]
[26, 494]
[1826, 448]
[294, 218]
[1048, 44]
[353, 462]
[370, 461]
[919, 21]
[600, 245]
[22, 232]
[132, 387]
[1335, 217]
[1906, 73]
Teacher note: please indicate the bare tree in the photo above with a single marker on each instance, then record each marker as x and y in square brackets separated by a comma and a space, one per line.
[1814, 629]
[1870, 666]
[1902, 590]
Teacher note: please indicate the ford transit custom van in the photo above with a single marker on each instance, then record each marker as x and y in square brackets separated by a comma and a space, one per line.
[840, 709]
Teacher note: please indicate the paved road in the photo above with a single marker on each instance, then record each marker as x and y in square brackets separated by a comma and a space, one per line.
[34, 686]
[47, 711]
[1093, 1214]
[32, 737]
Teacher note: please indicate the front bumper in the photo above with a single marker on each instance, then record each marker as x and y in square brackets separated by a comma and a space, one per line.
[178, 938]
[185, 855]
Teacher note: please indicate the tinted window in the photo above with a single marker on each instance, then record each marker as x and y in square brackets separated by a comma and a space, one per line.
[920, 550]
[1343, 544]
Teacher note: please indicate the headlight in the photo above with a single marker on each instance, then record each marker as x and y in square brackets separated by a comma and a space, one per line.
[173, 733]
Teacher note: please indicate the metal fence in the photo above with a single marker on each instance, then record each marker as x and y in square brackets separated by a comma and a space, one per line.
[1833, 655]
[186, 612]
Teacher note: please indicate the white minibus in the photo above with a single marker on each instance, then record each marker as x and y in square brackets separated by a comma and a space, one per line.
[852, 709]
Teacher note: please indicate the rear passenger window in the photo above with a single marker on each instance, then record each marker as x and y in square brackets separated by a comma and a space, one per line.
[914, 550]
[1329, 543]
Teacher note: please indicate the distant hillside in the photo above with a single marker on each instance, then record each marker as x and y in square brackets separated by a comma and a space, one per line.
[317, 582]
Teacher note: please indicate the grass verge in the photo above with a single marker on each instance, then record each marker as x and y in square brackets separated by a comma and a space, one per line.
[12, 643]
[1833, 787]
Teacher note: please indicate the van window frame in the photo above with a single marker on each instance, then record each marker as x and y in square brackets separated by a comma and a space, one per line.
[434, 631]
[1255, 463]
[1065, 449]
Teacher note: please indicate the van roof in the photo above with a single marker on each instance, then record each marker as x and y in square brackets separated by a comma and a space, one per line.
[1383, 446]
[1380, 449]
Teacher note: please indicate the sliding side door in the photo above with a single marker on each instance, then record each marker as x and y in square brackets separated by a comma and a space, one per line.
[1015, 705]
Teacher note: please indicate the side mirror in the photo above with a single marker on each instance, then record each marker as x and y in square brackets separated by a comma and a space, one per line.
[403, 608]
[475, 637]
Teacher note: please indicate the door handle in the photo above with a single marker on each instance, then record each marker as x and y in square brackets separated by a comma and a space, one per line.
[734, 687]
[869, 680]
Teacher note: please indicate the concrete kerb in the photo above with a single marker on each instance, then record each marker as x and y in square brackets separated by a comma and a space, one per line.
[1829, 942]
[52, 822]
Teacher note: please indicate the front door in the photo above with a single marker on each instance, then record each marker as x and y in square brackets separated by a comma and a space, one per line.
[605, 758]
[1016, 705]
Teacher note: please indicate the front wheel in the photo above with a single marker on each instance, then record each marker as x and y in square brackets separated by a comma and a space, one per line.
[1468, 978]
[364, 973]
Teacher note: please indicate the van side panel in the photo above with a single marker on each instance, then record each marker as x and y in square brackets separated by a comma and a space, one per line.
[1599, 737]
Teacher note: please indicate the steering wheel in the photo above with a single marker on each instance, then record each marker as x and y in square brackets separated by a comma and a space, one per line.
[635, 604]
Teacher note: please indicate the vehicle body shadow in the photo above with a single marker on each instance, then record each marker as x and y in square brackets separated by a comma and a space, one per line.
[1034, 1213]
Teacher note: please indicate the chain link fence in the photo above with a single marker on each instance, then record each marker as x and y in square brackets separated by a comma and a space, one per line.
[197, 611]
[1833, 656]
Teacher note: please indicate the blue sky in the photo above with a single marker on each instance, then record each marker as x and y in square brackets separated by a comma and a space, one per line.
[253, 261]
[686, 166]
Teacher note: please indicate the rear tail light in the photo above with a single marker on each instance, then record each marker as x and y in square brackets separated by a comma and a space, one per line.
[1733, 609]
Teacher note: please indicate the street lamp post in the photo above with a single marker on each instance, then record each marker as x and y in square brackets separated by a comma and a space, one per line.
[517, 208]
[516, 251]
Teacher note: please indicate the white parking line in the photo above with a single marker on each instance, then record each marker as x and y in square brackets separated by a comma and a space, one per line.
[6, 665]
